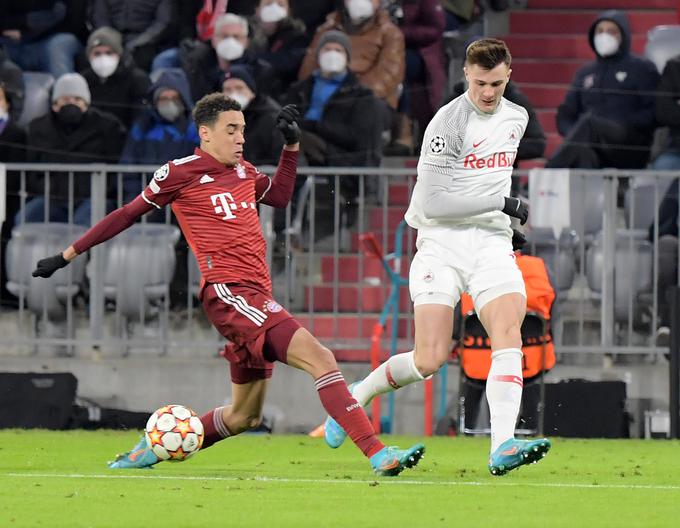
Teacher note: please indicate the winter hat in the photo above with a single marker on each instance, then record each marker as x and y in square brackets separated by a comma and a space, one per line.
[105, 36]
[336, 36]
[72, 84]
[243, 73]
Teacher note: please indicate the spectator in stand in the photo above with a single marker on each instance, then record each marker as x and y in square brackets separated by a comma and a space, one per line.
[286, 42]
[147, 26]
[422, 25]
[376, 45]
[31, 33]
[313, 13]
[263, 141]
[164, 130]
[668, 114]
[116, 85]
[607, 118]
[12, 149]
[205, 64]
[13, 84]
[73, 132]
[338, 111]
[196, 21]
[532, 144]
[339, 115]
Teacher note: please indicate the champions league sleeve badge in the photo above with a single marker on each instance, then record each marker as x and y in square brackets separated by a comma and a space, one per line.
[161, 173]
[437, 145]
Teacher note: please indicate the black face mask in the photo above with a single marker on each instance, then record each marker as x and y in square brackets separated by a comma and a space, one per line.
[70, 115]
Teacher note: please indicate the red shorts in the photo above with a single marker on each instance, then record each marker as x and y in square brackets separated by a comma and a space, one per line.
[258, 328]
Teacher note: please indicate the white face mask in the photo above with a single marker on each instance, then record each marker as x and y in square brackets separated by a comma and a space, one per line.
[169, 110]
[273, 13]
[605, 44]
[360, 9]
[105, 65]
[332, 61]
[241, 99]
[3, 114]
[230, 49]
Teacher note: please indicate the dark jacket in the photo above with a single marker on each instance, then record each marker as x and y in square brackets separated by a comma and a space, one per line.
[199, 62]
[141, 22]
[34, 18]
[122, 94]
[620, 87]
[422, 26]
[348, 122]
[533, 141]
[285, 49]
[152, 139]
[668, 101]
[98, 139]
[263, 140]
[12, 78]
[12, 143]
[668, 213]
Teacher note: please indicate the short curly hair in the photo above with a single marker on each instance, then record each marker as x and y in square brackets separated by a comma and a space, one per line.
[208, 108]
[488, 53]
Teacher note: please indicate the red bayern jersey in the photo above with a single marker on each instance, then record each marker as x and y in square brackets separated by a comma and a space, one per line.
[216, 207]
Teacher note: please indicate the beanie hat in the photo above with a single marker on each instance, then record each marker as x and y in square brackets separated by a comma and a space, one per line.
[105, 36]
[336, 36]
[243, 73]
[72, 84]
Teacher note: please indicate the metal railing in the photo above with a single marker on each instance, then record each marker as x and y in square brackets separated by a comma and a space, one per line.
[320, 274]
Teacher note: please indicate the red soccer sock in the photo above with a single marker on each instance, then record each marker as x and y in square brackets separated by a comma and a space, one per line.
[214, 427]
[345, 410]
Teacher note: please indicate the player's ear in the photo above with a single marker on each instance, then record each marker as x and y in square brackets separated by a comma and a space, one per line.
[509, 72]
[204, 133]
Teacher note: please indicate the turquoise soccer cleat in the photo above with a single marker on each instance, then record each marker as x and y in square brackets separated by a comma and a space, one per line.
[139, 457]
[333, 433]
[390, 461]
[514, 453]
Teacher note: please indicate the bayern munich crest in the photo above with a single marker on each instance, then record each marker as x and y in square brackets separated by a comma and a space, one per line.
[437, 145]
[273, 307]
[161, 173]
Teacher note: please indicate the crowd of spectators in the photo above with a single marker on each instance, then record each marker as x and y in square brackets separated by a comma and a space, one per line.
[367, 75]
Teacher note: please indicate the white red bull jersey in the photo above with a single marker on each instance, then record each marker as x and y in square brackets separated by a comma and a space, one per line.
[474, 151]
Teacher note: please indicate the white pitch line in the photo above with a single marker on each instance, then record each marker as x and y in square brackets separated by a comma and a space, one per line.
[353, 481]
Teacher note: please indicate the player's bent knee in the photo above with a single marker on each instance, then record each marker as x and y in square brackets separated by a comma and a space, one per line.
[324, 359]
[427, 364]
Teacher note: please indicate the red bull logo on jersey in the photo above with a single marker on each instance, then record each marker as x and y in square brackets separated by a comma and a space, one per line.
[495, 160]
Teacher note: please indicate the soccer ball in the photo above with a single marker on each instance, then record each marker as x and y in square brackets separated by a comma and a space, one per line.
[174, 432]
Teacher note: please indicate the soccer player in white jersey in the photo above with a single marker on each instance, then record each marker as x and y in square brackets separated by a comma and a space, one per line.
[461, 209]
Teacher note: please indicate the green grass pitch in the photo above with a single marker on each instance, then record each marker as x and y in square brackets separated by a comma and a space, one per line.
[55, 479]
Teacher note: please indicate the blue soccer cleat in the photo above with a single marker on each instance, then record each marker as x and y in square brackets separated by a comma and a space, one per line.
[139, 457]
[514, 453]
[333, 433]
[390, 461]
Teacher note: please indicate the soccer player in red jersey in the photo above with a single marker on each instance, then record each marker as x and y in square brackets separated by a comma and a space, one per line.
[214, 195]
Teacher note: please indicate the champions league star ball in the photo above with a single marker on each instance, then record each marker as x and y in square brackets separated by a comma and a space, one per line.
[174, 432]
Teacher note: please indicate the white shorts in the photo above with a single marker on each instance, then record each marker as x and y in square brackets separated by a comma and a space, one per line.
[466, 258]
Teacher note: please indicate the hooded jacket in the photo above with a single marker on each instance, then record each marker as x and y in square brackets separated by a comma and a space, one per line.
[152, 139]
[620, 87]
[668, 101]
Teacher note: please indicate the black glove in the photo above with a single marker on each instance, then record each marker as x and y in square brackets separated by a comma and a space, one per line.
[515, 207]
[518, 240]
[47, 266]
[286, 122]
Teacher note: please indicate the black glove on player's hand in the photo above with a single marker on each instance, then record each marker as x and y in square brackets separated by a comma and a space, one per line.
[518, 240]
[47, 266]
[516, 208]
[286, 122]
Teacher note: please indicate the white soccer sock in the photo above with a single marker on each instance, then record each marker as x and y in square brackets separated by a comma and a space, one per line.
[397, 371]
[504, 393]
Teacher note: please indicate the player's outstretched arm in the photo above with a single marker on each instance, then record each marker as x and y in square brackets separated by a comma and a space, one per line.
[279, 191]
[106, 228]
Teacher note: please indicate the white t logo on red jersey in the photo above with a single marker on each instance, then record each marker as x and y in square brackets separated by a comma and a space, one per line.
[226, 204]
